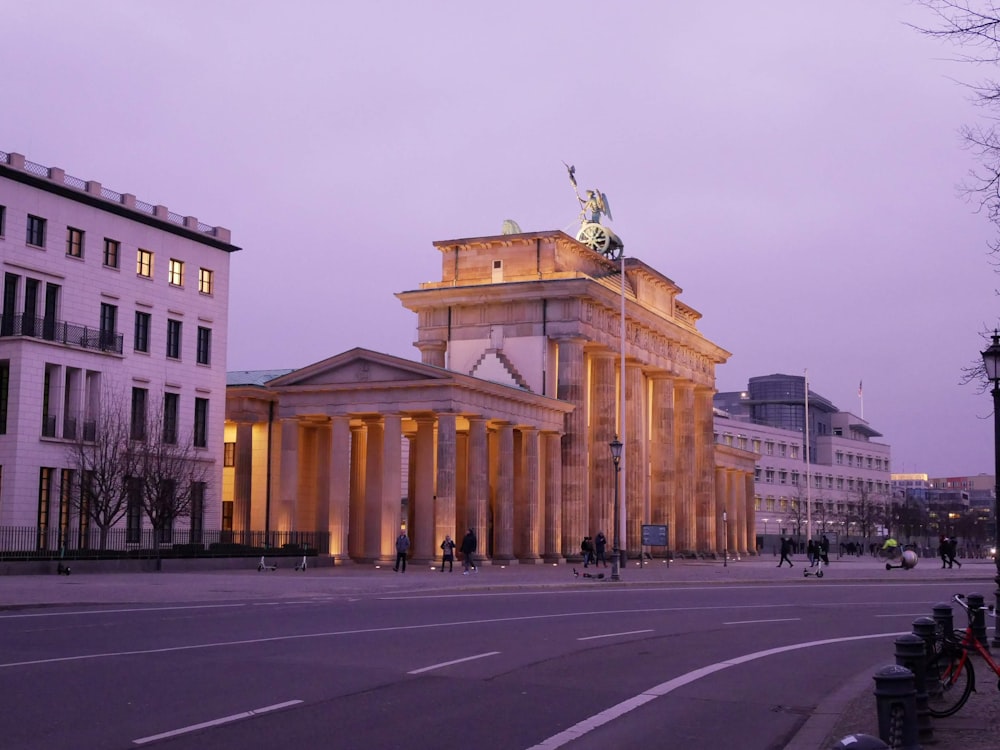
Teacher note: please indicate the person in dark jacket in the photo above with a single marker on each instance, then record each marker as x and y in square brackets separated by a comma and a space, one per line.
[402, 545]
[587, 547]
[448, 553]
[468, 549]
[600, 545]
[786, 548]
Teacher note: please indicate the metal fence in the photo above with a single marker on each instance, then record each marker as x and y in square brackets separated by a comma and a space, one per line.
[33, 543]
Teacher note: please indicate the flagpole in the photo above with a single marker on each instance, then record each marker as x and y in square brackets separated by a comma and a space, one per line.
[861, 396]
[809, 507]
[623, 524]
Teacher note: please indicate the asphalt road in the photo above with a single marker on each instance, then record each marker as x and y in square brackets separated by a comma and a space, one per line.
[739, 664]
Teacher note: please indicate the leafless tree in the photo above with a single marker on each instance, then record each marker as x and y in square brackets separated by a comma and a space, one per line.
[103, 460]
[973, 26]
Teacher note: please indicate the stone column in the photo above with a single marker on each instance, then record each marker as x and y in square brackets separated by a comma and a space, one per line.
[684, 441]
[374, 532]
[359, 492]
[339, 496]
[636, 504]
[243, 479]
[527, 508]
[423, 534]
[736, 513]
[477, 511]
[444, 512]
[572, 388]
[662, 459]
[284, 517]
[603, 428]
[392, 482]
[433, 352]
[745, 499]
[720, 505]
[551, 547]
[704, 469]
[503, 521]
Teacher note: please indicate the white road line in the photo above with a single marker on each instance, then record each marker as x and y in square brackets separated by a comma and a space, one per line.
[902, 614]
[119, 611]
[453, 661]
[214, 722]
[658, 691]
[754, 622]
[613, 635]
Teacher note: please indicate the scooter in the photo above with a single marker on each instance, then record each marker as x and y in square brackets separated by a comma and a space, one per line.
[819, 568]
[301, 565]
[261, 566]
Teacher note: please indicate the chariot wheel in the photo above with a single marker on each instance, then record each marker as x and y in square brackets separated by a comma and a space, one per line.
[595, 237]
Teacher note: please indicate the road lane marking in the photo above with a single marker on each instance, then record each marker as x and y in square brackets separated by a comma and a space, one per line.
[754, 622]
[119, 611]
[902, 614]
[214, 722]
[613, 635]
[453, 661]
[658, 691]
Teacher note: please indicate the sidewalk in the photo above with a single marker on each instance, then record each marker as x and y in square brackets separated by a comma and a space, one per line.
[850, 709]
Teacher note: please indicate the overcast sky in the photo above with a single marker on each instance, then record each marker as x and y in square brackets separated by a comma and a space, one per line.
[791, 165]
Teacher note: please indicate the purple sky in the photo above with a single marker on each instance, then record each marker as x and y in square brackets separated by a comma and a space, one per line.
[791, 165]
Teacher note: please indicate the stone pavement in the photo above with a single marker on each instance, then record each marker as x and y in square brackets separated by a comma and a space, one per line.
[850, 709]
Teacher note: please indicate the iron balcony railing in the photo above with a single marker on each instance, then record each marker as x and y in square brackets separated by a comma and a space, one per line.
[60, 331]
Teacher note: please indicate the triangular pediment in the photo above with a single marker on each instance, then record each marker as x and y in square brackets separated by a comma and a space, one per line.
[360, 366]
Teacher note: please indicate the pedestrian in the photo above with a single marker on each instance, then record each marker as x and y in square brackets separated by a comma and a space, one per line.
[402, 545]
[587, 547]
[786, 547]
[943, 551]
[467, 549]
[448, 553]
[811, 553]
[600, 545]
[953, 552]
[824, 550]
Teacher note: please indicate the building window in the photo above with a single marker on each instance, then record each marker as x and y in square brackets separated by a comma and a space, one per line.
[137, 430]
[175, 272]
[174, 339]
[204, 346]
[45, 474]
[769, 448]
[3, 213]
[36, 231]
[112, 250]
[133, 512]
[839, 457]
[205, 280]
[227, 515]
[795, 452]
[782, 477]
[144, 263]
[171, 402]
[197, 511]
[142, 324]
[795, 479]
[756, 445]
[769, 476]
[4, 385]
[229, 454]
[782, 449]
[109, 326]
[74, 242]
[200, 422]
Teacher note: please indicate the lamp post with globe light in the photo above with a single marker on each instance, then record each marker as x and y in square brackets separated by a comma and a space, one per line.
[991, 362]
[616, 456]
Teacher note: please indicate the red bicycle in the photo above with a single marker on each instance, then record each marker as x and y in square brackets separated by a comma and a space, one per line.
[951, 677]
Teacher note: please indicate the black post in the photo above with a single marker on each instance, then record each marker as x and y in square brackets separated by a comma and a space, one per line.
[616, 456]
[996, 497]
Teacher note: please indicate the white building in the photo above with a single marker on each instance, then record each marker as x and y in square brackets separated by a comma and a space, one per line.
[845, 487]
[101, 292]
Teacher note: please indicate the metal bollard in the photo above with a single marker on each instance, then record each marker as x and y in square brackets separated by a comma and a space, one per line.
[896, 707]
[977, 618]
[944, 618]
[912, 654]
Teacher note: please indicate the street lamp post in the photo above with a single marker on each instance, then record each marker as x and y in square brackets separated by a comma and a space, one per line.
[725, 540]
[991, 361]
[616, 456]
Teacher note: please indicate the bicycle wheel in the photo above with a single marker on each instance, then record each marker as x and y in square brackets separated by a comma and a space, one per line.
[950, 678]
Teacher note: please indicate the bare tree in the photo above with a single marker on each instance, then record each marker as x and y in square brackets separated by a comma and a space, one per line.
[103, 460]
[867, 512]
[169, 476]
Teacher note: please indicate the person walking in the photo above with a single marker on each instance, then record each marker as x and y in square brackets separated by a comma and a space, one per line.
[448, 553]
[824, 550]
[467, 549]
[943, 551]
[600, 546]
[402, 545]
[786, 548]
[811, 553]
[953, 552]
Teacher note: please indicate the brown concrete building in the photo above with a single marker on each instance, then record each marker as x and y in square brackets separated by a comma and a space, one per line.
[505, 424]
